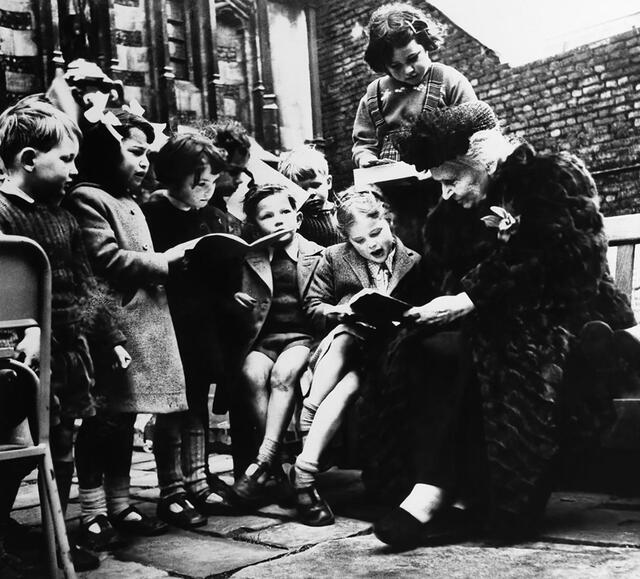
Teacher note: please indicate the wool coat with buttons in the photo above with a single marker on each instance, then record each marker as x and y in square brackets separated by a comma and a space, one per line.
[121, 252]
[257, 281]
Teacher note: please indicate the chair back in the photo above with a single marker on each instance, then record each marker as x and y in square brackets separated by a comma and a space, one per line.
[25, 301]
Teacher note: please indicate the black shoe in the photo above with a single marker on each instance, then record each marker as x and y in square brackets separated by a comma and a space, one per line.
[224, 506]
[401, 530]
[140, 526]
[179, 512]
[313, 510]
[252, 489]
[98, 535]
[83, 560]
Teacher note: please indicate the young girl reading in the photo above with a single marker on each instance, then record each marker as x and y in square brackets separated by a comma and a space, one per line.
[400, 37]
[371, 258]
[189, 165]
[113, 162]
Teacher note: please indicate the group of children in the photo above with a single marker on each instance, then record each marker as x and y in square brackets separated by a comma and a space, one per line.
[142, 322]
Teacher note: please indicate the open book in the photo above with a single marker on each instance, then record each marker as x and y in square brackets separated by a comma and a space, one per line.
[226, 245]
[385, 173]
[370, 305]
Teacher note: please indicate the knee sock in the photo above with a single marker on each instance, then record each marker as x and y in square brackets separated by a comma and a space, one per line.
[306, 472]
[92, 503]
[117, 494]
[307, 414]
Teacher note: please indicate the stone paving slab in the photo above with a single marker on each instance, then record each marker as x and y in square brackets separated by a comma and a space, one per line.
[31, 515]
[145, 494]
[295, 535]
[140, 478]
[366, 557]
[591, 520]
[219, 463]
[196, 556]
[237, 524]
[111, 568]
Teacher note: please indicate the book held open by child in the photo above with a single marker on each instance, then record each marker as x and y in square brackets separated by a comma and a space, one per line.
[386, 173]
[227, 245]
[371, 305]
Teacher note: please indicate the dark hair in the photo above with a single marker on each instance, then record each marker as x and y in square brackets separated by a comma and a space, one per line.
[394, 26]
[33, 123]
[230, 136]
[100, 153]
[186, 154]
[257, 194]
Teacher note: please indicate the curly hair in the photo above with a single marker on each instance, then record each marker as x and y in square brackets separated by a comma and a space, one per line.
[230, 136]
[394, 26]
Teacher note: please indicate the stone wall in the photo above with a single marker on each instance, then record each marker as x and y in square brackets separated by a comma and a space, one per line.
[583, 100]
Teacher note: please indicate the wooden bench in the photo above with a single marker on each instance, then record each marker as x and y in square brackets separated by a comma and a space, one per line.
[623, 232]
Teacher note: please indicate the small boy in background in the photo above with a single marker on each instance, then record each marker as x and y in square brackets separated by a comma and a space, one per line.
[278, 333]
[308, 169]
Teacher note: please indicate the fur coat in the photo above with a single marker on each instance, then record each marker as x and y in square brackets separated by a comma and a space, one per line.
[532, 293]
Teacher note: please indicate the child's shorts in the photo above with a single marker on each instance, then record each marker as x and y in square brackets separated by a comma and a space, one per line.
[272, 345]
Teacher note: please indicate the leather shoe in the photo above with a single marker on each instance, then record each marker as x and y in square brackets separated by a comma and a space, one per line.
[251, 489]
[99, 535]
[402, 530]
[142, 525]
[179, 512]
[313, 510]
[215, 507]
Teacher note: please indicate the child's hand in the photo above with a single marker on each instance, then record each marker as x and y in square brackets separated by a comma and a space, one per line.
[28, 349]
[176, 253]
[340, 313]
[122, 358]
[374, 162]
[245, 300]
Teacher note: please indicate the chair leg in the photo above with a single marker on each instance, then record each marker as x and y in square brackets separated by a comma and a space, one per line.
[47, 523]
[56, 517]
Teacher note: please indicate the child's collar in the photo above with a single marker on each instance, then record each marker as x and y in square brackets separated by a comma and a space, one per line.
[292, 249]
[8, 187]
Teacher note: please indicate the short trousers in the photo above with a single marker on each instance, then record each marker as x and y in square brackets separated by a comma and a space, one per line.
[272, 345]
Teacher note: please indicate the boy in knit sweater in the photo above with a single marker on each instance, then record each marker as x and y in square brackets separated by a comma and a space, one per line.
[308, 169]
[38, 146]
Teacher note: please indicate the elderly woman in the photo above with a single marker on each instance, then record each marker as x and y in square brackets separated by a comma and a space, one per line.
[475, 398]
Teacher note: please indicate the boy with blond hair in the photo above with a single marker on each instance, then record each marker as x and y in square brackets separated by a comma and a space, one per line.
[308, 168]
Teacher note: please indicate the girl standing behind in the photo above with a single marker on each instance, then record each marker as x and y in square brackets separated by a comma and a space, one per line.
[371, 258]
[400, 37]
[189, 165]
[113, 162]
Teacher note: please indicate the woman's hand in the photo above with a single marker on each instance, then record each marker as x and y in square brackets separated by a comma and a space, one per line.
[245, 300]
[28, 348]
[339, 313]
[122, 358]
[441, 310]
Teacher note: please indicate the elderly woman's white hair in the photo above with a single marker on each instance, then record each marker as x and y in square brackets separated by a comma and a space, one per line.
[487, 149]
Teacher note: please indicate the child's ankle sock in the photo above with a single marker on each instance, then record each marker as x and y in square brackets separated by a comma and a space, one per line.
[93, 502]
[306, 471]
[117, 493]
[307, 414]
[268, 450]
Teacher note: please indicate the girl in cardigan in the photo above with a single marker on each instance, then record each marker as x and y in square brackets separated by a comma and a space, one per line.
[400, 37]
[113, 162]
[371, 258]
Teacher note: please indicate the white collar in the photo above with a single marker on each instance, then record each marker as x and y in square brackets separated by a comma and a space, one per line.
[9, 188]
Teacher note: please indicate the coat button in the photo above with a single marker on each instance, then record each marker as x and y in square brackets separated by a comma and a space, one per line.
[133, 211]
[145, 247]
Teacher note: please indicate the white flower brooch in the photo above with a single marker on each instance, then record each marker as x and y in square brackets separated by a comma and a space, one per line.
[503, 221]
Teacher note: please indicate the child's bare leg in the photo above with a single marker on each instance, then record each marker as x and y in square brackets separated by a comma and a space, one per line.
[328, 372]
[285, 375]
[327, 420]
[255, 380]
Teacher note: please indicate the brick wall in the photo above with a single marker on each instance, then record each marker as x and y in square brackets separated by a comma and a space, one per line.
[583, 100]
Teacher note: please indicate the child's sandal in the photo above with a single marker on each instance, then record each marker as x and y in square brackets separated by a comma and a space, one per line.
[314, 511]
[249, 488]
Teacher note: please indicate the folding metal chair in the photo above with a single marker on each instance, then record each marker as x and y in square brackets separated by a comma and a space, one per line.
[25, 301]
